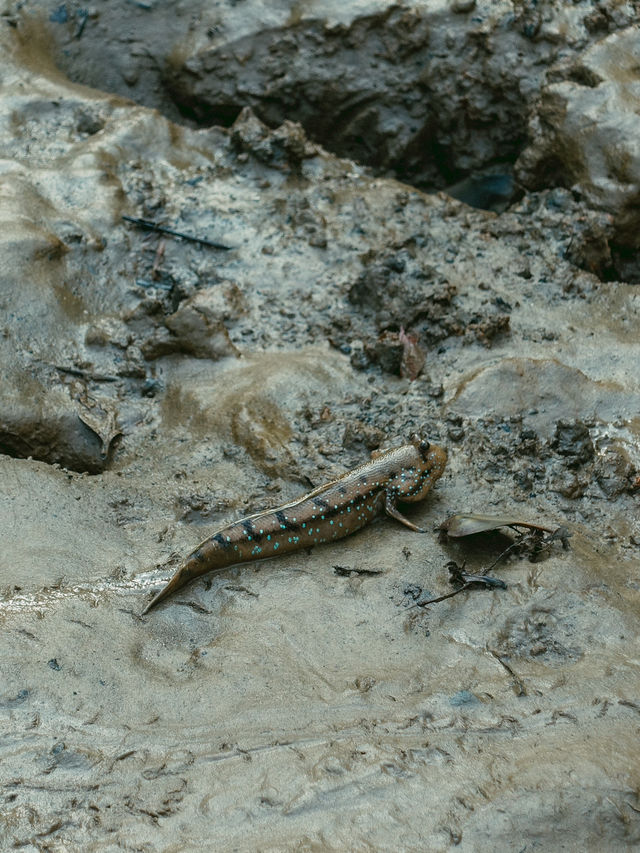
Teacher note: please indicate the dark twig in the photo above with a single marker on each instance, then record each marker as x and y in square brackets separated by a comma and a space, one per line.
[522, 538]
[161, 229]
[460, 589]
[536, 543]
[457, 575]
[345, 571]
[518, 685]
[82, 15]
[85, 374]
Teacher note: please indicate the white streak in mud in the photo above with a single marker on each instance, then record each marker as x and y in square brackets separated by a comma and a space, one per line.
[46, 598]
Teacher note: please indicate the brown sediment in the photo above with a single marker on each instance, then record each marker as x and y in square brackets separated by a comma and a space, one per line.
[318, 701]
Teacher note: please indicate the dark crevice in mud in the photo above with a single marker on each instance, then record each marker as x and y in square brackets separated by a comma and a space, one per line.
[68, 444]
[438, 99]
[423, 96]
[625, 264]
[596, 245]
[209, 115]
[432, 168]
[490, 189]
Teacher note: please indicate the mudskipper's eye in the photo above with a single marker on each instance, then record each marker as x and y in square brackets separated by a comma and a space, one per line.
[424, 447]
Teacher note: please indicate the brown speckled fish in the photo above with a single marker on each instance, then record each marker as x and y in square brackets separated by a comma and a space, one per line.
[329, 512]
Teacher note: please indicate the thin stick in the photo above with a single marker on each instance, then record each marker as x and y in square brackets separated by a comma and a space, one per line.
[161, 229]
[506, 551]
[518, 684]
[441, 597]
[84, 374]
[155, 269]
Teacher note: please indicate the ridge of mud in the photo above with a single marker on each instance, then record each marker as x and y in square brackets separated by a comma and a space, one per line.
[426, 93]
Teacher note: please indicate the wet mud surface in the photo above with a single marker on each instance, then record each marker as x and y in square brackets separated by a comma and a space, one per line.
[153, 389]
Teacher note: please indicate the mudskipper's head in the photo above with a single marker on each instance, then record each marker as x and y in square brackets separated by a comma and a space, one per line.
[430, 462]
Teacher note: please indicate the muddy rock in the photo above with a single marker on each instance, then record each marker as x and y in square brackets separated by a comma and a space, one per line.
[382, 71]
[573, 441]
[287, 146]
[585, 128]
[541, 392]
[428, 92]
[194, 328]
[47, 425]
[616, 472]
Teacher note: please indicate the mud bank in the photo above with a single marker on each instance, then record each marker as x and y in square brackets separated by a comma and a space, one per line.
[154, 388]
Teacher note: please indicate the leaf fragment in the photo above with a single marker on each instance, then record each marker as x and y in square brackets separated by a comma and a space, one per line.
[103, 420]
[467, 524]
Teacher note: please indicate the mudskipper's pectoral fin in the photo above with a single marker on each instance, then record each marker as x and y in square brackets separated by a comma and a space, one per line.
[391, 509]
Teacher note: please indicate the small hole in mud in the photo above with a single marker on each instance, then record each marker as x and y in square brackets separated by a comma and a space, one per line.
[487, 190]
[209, 115]
[625, 265]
